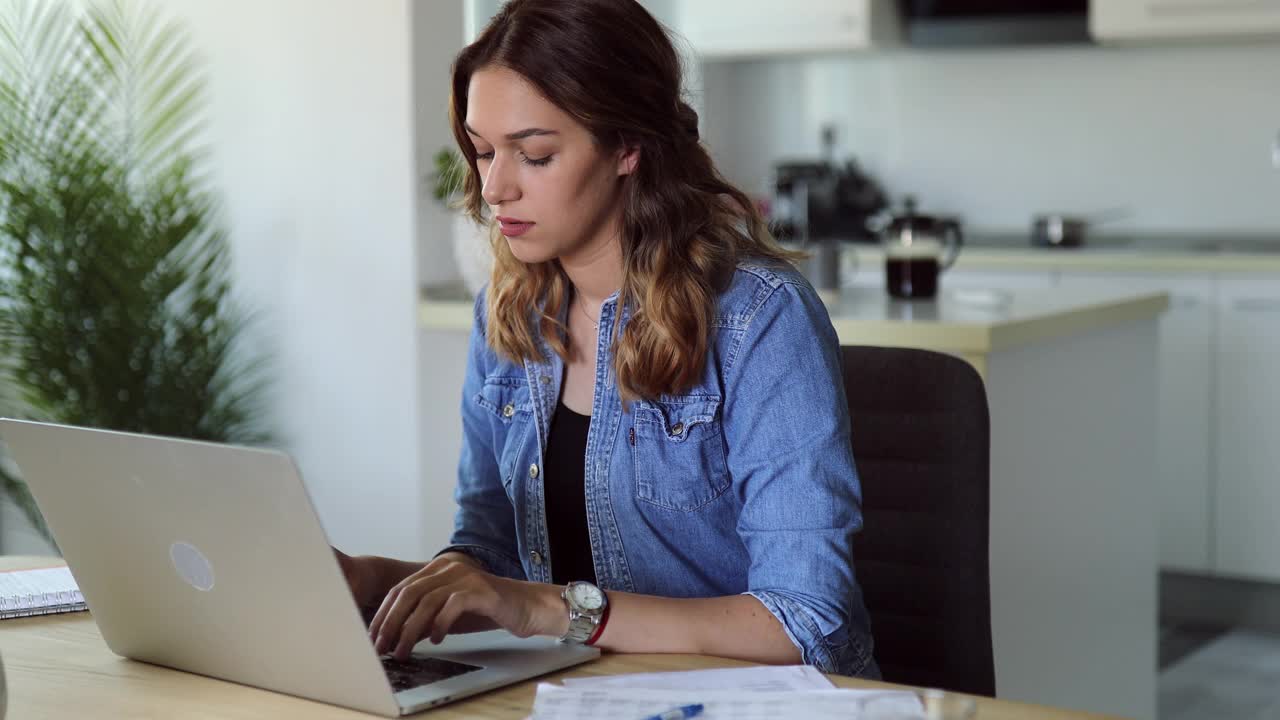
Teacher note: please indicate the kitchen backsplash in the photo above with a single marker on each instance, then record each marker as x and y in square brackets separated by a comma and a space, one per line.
[1180, 136]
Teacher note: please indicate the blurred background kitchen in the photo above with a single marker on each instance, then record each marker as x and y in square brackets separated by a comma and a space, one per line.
[1112, 144]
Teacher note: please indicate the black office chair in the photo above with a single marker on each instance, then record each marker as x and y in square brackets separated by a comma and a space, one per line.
[921, 441]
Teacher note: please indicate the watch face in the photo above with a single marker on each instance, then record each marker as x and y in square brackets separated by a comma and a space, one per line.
[586, 596]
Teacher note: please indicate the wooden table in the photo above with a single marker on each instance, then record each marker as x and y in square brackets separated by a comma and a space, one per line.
[59, 667]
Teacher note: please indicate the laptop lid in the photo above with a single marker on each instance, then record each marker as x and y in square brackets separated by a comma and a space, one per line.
[202, 557]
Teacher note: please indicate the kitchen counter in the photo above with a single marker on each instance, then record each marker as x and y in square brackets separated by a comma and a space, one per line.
[1140, 252]
[970, 324]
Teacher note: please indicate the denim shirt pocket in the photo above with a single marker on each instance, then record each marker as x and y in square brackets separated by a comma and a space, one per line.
[511, 406]
[679, 452]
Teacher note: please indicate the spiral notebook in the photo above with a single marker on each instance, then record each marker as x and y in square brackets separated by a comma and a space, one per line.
[44, 591]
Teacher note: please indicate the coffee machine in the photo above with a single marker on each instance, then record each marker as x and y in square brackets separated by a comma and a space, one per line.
[819, 204]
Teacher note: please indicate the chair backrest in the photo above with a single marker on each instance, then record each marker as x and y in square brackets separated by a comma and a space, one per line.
[921, 431]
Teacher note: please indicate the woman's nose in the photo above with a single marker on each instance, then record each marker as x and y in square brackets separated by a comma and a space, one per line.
[499, 183]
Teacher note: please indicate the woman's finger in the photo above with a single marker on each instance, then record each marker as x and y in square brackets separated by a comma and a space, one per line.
[453, 608]
[404, 606]
[438, 568]
[407, 639]
[380, 617]
[417, 622]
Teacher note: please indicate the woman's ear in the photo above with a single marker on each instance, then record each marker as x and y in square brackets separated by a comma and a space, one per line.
[628, 159]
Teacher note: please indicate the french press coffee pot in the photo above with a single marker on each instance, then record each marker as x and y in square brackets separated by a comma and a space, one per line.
[917, 248]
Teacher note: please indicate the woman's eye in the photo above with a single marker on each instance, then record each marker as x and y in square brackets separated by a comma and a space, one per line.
[537, 162]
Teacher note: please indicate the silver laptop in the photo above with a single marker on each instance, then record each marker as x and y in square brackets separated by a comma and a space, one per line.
[210, 558]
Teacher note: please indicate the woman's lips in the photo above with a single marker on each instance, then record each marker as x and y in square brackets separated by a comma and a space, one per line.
[513, 228]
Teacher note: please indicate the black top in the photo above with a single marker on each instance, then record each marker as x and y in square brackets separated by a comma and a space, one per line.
[566, 497]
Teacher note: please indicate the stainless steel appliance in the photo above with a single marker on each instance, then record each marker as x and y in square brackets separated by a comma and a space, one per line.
[819, 204]
[994, 22]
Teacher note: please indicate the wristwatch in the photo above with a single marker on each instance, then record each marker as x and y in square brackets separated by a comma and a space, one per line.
[588, 609]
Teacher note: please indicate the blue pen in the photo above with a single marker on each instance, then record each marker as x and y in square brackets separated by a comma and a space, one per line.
[680, 713]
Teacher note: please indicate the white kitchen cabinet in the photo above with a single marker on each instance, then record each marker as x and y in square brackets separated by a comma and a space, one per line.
[735, 29]
[1152, 20]
[1248, 426]
[1183, 419]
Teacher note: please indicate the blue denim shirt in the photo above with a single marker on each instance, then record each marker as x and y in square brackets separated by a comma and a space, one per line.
[743, 484]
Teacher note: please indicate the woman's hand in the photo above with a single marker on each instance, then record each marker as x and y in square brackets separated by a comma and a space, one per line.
[451, 596]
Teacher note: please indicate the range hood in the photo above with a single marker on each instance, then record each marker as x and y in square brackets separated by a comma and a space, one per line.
[969, 23]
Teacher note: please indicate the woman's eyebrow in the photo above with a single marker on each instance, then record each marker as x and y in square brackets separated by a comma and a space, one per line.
[519, 134]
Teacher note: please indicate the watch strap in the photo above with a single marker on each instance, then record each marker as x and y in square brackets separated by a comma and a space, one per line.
[599, 626]
[581, 628]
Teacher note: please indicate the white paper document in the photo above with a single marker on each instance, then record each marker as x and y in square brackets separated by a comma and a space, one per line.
[554, 702]
[777, 678]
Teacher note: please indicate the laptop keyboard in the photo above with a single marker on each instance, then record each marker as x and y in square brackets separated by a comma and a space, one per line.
[418, 671]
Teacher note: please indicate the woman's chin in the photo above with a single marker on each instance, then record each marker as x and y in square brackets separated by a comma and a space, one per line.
[529, 253]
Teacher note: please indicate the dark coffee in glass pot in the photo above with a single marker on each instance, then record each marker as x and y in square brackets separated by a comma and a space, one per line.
[917, 248]
[911, 277]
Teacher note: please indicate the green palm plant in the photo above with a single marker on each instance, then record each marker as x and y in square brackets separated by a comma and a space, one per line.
[449, 172]
[116, 308]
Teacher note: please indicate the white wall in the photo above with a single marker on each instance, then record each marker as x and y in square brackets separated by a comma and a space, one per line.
[1180, 135]
[312, 148]
[438, 31]
[437, 38]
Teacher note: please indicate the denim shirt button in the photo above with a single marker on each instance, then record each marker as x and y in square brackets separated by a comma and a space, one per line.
[545, 380]
[533, 470]
[509, 410]
[535, 557]
[677, 429]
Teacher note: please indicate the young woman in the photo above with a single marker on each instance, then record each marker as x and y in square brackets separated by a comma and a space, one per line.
[655, 439]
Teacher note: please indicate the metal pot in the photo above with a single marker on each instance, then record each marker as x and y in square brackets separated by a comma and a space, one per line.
[1059, 230]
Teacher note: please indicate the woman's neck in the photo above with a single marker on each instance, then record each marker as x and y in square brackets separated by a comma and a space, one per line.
[595, 270]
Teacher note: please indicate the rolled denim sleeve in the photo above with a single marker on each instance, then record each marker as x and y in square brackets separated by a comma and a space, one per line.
[484, 525]
[787, 430]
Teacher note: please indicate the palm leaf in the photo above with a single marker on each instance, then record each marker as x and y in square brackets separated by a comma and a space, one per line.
[115, 303]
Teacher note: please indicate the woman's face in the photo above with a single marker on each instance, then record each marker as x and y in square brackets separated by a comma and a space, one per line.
[552, 189]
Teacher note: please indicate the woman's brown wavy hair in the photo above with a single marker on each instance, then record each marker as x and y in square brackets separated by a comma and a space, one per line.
[612, 67]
